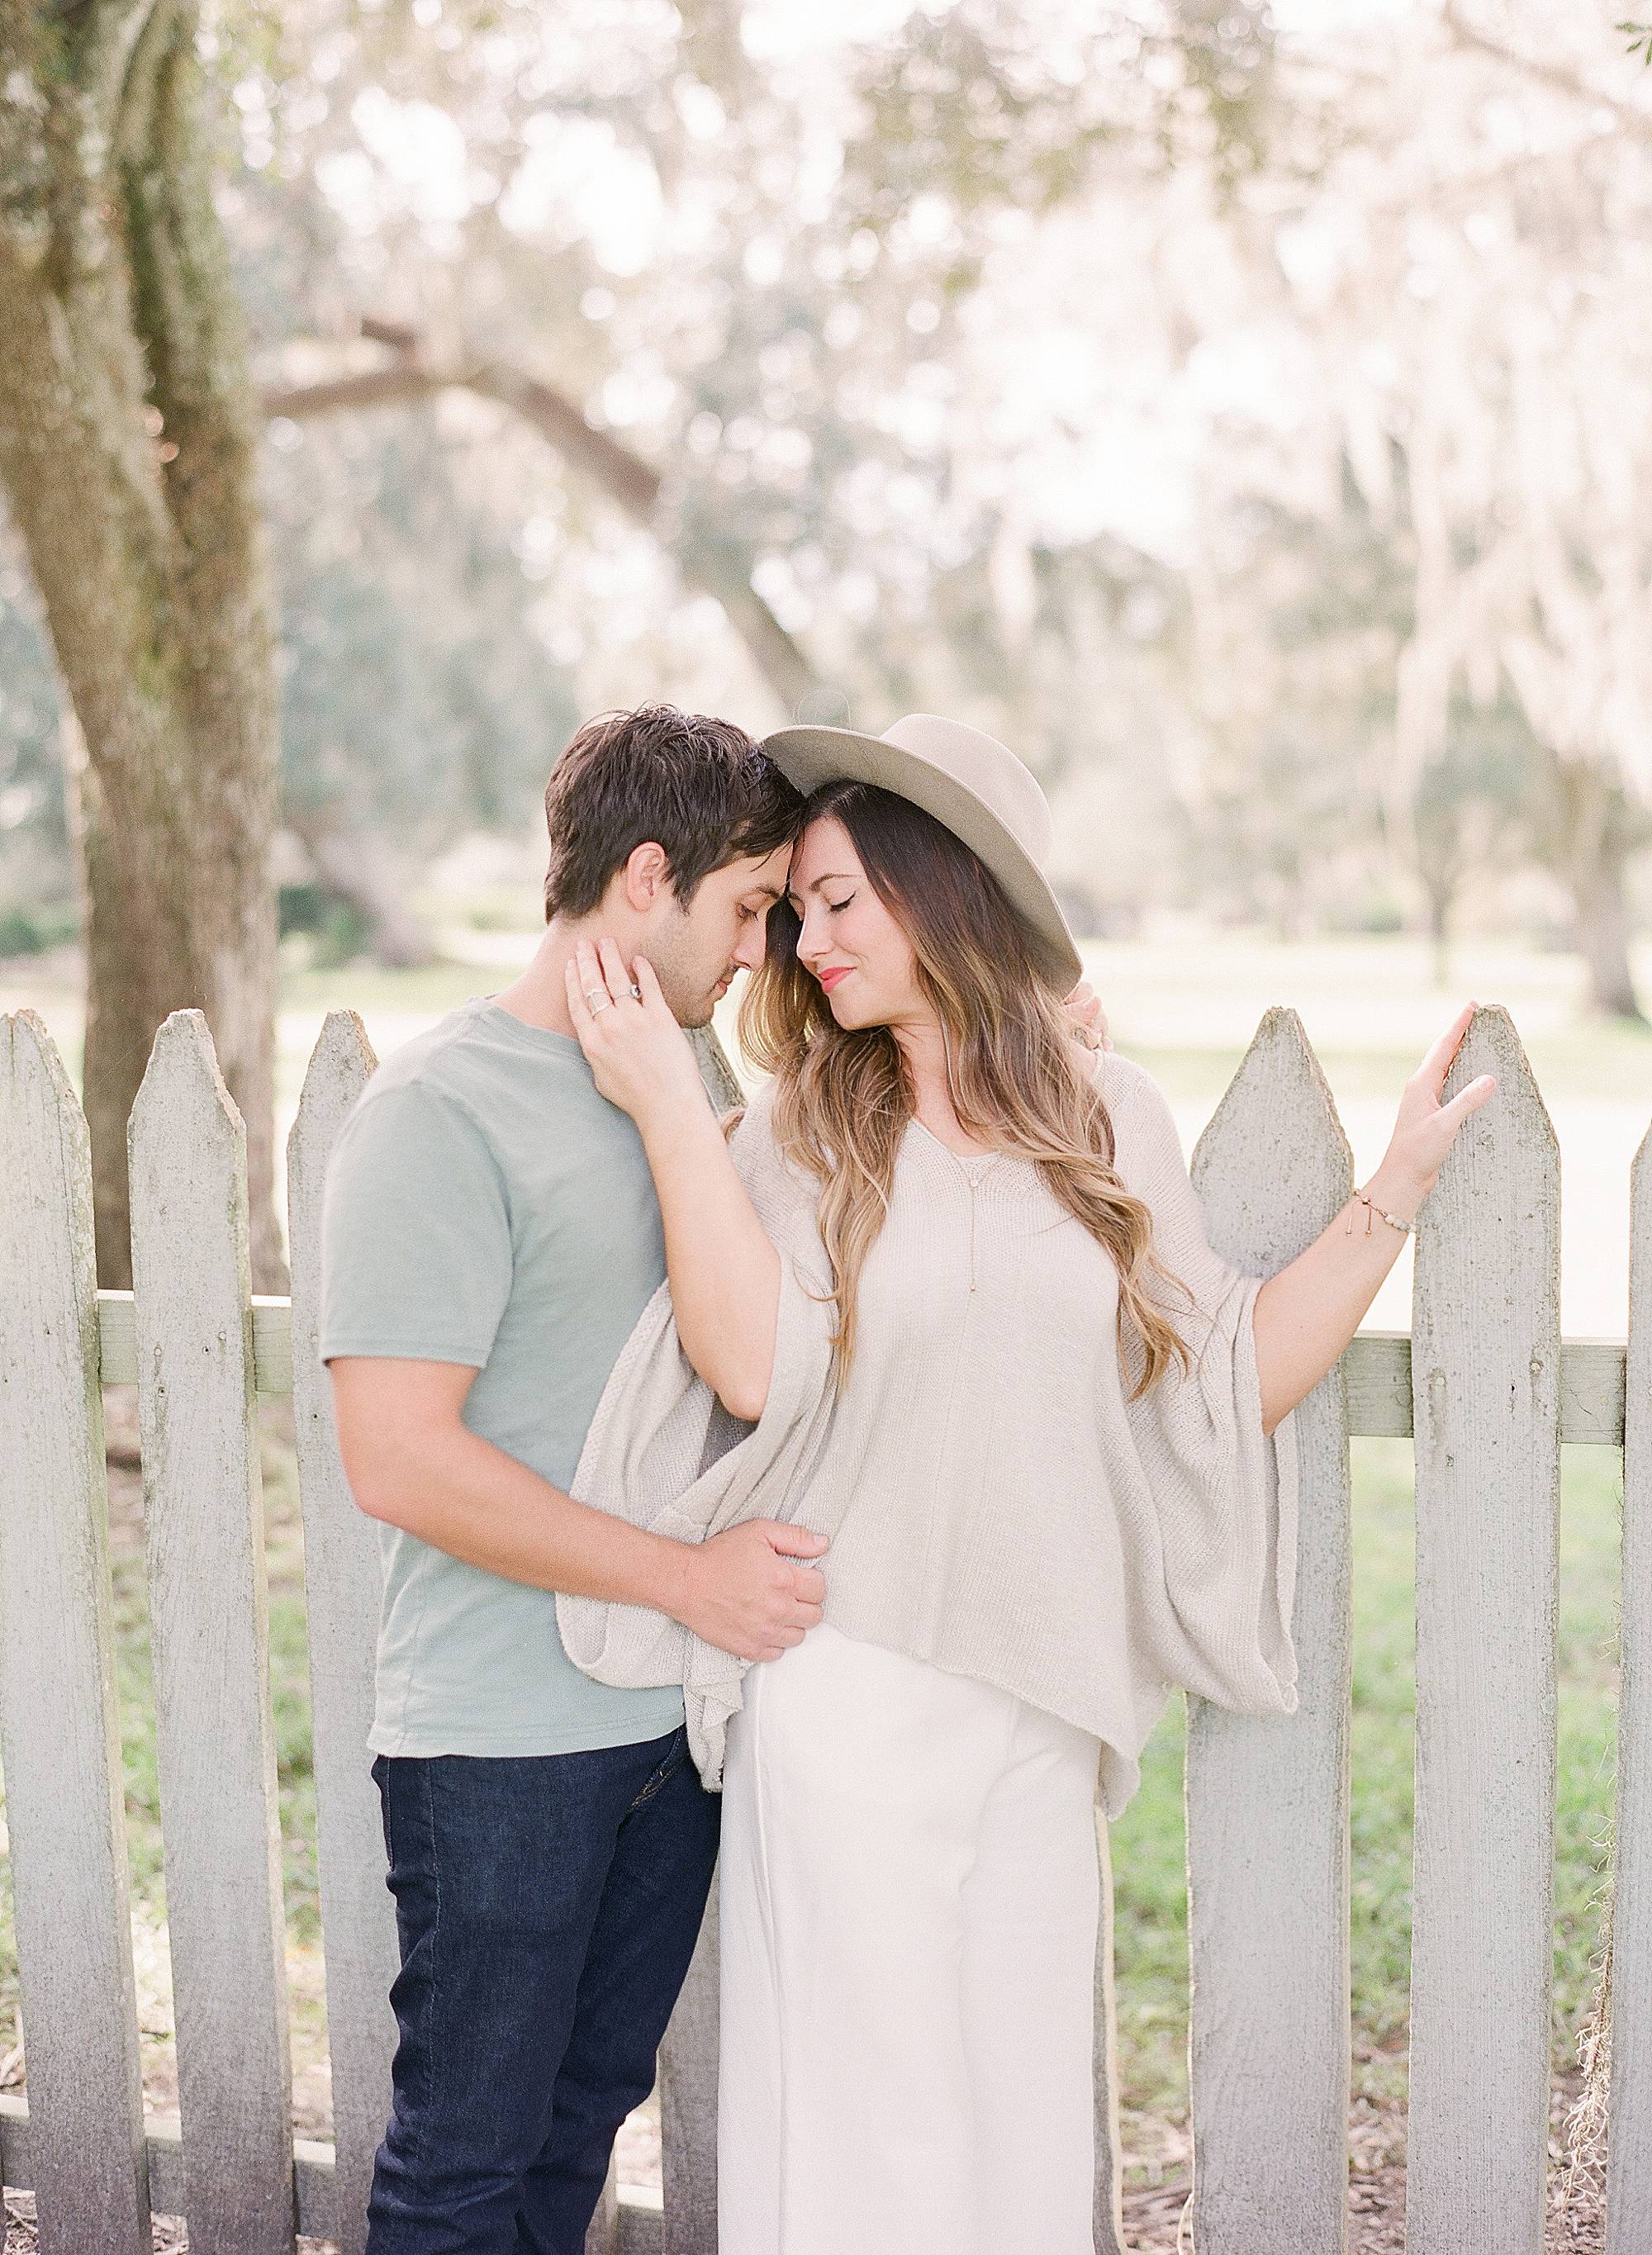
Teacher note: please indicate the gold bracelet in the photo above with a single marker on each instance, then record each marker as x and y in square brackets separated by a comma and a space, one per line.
[1371, 1207]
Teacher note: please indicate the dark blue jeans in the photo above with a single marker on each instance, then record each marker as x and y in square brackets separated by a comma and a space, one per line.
[547, 1908]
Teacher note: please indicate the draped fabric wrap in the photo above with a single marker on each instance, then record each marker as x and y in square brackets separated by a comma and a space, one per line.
[996, 1504]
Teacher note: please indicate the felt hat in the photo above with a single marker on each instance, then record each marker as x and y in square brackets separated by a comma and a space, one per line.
[968, 781]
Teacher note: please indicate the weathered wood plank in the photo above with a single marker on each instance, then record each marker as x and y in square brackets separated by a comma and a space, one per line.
[603, 2236]
[1487, 1369]
[1629, 2126]
[342, 1584]
[271, 1341]
[204, 1512]
[59, 1738]
[688, 2065]
[642, 2223]
[638, 2226]
[1267, 1795]
[1108, 2212]
[1377, 1367]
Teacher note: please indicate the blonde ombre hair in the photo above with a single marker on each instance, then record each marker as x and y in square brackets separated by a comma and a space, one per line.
[1017, 1079]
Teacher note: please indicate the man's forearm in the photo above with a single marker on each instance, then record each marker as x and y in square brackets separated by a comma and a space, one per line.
[462, 1494]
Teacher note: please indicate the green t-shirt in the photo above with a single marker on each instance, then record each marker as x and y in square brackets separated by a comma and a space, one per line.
[485, 1206]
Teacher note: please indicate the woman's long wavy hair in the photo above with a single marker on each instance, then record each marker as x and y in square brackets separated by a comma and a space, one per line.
[1017, 1079]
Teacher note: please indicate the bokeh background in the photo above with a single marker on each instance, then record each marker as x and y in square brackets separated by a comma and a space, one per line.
[1243, 408]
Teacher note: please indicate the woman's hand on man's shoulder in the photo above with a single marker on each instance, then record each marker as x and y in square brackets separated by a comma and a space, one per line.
[1086, 1017]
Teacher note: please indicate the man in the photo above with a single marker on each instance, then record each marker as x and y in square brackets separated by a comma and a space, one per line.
[491, 1236]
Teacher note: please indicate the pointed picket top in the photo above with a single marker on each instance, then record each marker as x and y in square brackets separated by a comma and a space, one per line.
[1629, 2128]
[1486, 1397]
[1267, 1794]
[184, 1123]
[182, 1052]
[1269, 1149]
[46, 1154]
[341, 1065]
[59, 1737]
[31, 1051]
[342, 1583]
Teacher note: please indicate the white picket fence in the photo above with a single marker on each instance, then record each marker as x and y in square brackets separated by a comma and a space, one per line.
[1483, 1376]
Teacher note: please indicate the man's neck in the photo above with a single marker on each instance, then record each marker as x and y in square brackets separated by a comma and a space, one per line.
[539, 996]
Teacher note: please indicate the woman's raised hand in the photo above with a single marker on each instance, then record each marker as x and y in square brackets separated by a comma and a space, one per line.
[639, 1055]
[1086, 1017]
[1426, 1129]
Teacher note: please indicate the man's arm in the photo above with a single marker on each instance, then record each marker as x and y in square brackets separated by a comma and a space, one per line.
[411, 1461]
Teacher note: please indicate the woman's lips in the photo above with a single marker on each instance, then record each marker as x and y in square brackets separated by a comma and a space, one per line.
[830, 979]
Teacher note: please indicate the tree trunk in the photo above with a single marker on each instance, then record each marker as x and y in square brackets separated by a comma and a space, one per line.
[128, 440]
[1596, 849]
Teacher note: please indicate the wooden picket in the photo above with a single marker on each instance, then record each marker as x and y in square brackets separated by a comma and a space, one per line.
[1486, 1360]
[1484, 1376]
[1106, 2215]
[58, 1736]
[688, 2105]
[343, 1578]
[214, 1736]
[1268, 1796]
[1630, 2131]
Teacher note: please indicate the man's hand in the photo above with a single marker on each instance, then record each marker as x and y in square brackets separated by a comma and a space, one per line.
[751, 1590]
[639, 1055]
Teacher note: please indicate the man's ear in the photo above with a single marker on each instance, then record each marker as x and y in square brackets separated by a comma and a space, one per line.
[646, 876]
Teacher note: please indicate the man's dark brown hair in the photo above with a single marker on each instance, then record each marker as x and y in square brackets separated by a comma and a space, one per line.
[699, 788]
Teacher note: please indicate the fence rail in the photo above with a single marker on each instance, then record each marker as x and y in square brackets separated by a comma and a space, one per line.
[1483, 1382]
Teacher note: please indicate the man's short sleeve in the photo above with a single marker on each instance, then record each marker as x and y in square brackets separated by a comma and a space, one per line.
[416, 1257]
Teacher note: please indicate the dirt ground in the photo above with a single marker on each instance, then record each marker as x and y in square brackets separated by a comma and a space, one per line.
[1153, 2211]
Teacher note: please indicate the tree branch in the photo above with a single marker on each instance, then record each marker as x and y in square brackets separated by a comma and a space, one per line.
[395, 386]
[105, 53]
[1554, 76]
[632, 483]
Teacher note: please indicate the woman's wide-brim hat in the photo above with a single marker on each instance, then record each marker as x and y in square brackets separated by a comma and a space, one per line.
[965, 779]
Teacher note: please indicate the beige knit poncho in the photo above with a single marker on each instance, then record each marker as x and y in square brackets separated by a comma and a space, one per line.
[996, 1505]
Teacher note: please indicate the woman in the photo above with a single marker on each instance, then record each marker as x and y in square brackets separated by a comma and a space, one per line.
[950, 1275]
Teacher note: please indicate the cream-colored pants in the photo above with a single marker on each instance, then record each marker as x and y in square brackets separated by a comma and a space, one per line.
[909, 1893]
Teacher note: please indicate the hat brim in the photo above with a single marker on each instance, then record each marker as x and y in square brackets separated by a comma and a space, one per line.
[809, 757]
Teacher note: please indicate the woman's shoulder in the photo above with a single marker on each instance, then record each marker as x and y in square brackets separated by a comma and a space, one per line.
[752, 1122]
[1143, 1126]
[1124, 1083]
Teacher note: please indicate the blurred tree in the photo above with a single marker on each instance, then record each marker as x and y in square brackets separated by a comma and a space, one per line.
[36, 866]
[1474, 278]
[1474, 805]
[128, 444]
[419, 703]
